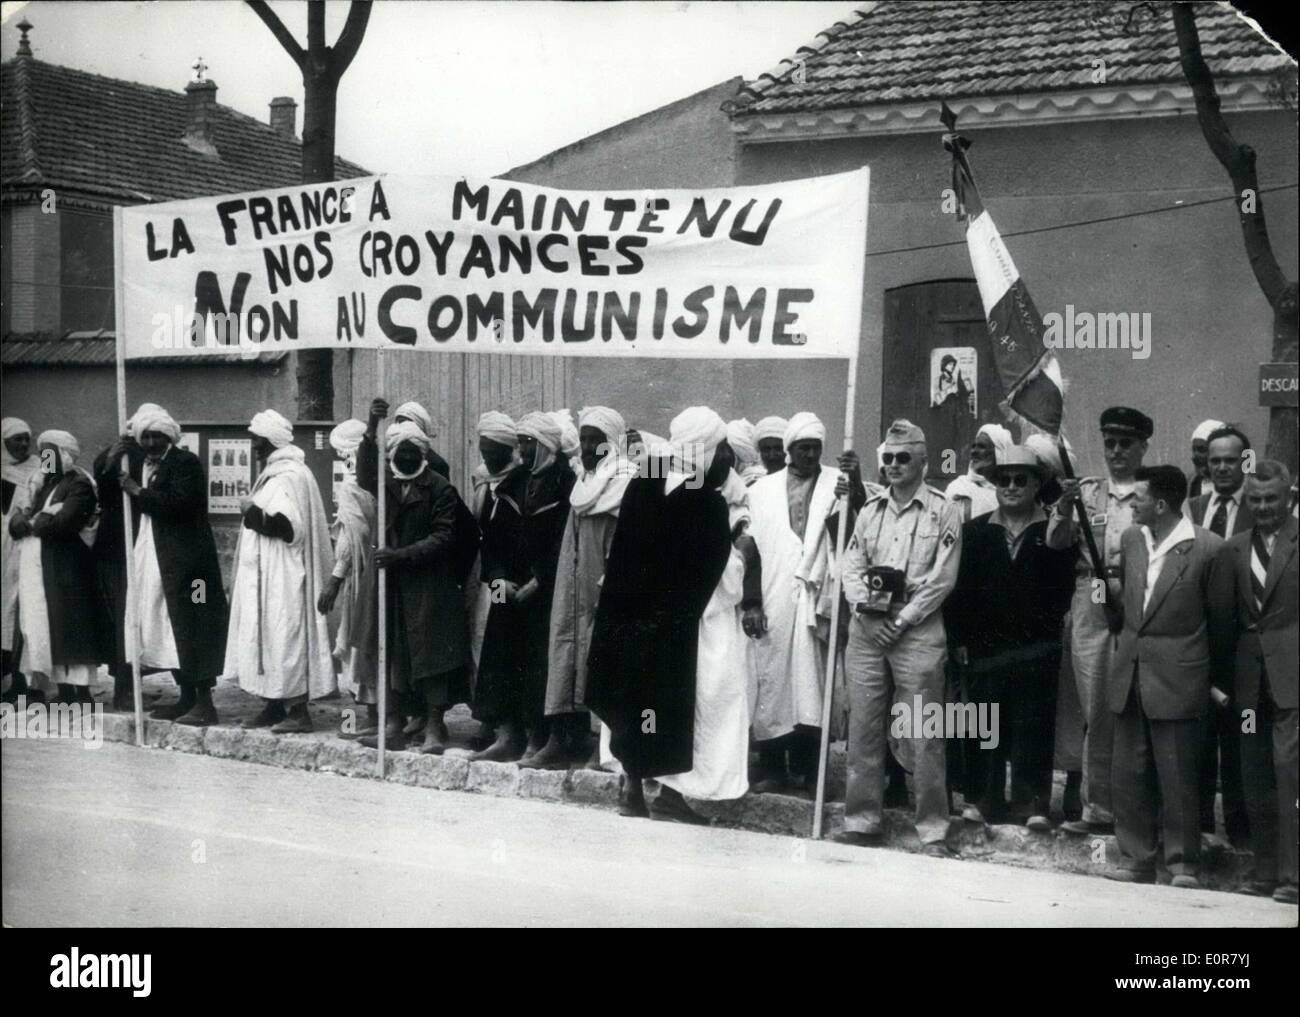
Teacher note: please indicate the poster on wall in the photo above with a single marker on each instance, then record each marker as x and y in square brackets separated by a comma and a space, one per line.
[230, 473]
[952, 380]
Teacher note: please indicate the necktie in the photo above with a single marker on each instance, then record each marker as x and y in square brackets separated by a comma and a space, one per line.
[1258, 567]
[1219, 524]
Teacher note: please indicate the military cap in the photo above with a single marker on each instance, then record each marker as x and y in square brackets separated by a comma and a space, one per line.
[904, 432]
[1125, 420]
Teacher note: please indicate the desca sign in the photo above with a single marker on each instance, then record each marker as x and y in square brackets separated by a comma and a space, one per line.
[1278, 385]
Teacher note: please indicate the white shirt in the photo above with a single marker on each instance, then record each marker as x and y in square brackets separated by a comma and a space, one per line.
[1233, 502]
[1156, 555]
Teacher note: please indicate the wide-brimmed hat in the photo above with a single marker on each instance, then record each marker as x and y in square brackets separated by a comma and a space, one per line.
[1020, 458]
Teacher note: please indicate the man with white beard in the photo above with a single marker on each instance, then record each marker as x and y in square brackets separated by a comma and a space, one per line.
[790, 510]
[278, 645]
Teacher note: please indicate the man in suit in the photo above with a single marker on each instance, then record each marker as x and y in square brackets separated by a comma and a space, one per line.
[1224, 511]
[1263, 569]
[1176, 606]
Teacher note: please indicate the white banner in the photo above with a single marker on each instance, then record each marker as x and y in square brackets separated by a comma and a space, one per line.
[493, 266]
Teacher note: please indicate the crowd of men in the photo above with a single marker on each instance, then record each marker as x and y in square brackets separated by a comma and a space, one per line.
[611, 598]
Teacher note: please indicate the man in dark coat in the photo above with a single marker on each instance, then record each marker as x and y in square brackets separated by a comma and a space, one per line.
[64, 622]
[519, 565]
[669, 550]
[1005, 617]
[177, 610]
[110, 547]
[426, 561]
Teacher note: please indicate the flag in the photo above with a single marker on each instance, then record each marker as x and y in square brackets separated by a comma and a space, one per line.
[1030, 373]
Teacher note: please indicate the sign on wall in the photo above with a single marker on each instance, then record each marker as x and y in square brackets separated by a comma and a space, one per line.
[457, 265]
[1278, 385]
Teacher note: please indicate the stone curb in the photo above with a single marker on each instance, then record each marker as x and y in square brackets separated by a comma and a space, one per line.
[780, 815]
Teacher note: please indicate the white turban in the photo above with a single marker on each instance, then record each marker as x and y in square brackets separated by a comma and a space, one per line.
[11, 427]
[345, 439]
[498, 427]
[417, 414]
[695, 435]
[273, 427]
[132, 423]
[407, 430]
[770, 427]
[998, 434]
[155, 419]
[64, 442]
[608, 422]
[1206, 428]
[568, 431]
[740, 436]
[542, 428]
[1047, 452]
[803, 426]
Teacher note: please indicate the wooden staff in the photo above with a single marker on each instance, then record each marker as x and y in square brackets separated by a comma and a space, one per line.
[128, 526]
[381, 539]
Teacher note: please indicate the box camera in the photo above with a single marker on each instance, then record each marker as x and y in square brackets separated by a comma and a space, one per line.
[884, 585]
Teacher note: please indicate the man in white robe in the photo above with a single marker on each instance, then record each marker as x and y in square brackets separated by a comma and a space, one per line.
[973, 493]
[278, 645]
[19, 468]
[791, 509]
[769, 439]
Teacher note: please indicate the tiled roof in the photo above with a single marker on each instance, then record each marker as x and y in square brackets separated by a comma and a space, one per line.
[96, 349]
[895, 52]
[121, 141]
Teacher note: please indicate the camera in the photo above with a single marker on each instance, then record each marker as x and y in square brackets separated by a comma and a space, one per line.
[884, 585]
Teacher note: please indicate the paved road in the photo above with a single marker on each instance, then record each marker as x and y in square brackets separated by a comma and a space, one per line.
[124, 836]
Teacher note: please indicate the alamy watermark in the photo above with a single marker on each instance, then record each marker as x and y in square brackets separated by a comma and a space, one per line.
[919, 719]
[83, 722]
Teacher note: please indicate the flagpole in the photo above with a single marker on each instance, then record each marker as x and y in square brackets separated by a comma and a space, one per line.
[381, 537]
[828, 687]
[128, 529]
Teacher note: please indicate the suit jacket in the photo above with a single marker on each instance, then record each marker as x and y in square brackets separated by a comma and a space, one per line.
[1266, 640]
[1197, 507]
[1182, 636]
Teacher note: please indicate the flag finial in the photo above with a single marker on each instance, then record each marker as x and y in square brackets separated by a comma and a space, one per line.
[947, 117]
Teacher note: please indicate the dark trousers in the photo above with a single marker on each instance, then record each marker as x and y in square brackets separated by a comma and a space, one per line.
[1155, 782]
[802, 745]
[1269, 767]
[1025, 732]
[1221, 766]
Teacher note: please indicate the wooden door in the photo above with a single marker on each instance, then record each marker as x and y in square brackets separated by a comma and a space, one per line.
[938, 369]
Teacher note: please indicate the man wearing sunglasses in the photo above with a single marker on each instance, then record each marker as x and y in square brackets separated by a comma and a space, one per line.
[1108, 502]
[1004, 619]
[898, 570]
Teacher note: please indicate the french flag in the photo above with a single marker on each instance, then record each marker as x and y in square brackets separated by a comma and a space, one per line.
[1029, 371]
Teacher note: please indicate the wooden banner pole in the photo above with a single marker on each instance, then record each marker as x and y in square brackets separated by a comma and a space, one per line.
[381, 537]
[128, 527]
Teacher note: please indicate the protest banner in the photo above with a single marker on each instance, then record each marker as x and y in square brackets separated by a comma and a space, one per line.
[457, 265]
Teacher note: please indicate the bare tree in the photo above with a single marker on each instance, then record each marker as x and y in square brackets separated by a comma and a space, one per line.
[1239, 161]
[322, 68]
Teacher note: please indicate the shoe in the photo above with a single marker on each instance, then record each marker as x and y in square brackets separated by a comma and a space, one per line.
[972, 814]
[271, 713]
[860, 838]
[1083, 828]
[1285, 894]
[1131, 876]
[939, 849]
[671, 807]
[298, 722]
[171, 711]
[203, 715]
[1257, 888]
[1039, 824]
[1185, 881]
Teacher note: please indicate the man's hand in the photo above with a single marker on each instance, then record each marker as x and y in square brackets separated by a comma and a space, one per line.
[754, 622]
[325, 602]
[887, 634]
[245, 503]
[523, 594]
[130, 486]
[1069, 492]
[849, 482]
[118, 449]
[386, 556]
[378, 408]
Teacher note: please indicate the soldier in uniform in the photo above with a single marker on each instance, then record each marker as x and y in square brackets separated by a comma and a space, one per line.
[898, 570]
[1108, 502]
